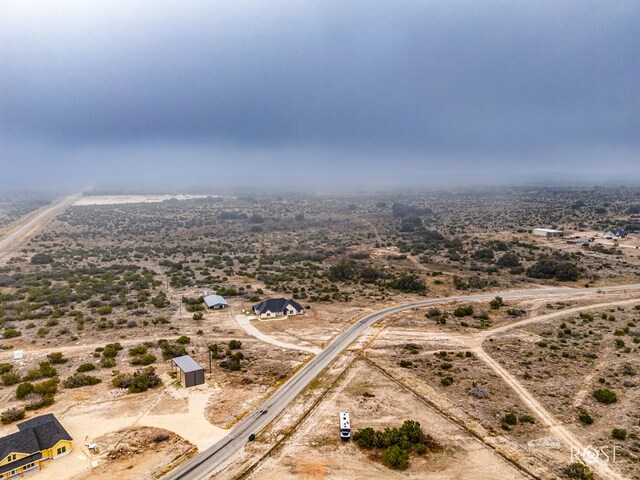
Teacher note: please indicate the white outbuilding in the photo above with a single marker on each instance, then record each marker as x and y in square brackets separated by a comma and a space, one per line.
[547, 232]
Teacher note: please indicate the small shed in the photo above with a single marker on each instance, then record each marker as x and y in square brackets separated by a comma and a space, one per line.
[215, 301]
[190, 372]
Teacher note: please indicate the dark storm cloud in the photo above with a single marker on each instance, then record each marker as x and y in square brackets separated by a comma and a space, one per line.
[423, 85]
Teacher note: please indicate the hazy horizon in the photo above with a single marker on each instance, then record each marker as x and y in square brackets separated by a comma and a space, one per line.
[285, 96]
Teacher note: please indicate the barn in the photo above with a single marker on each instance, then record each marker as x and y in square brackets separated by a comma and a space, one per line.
[215, 301]
[190, 372]
[548, 232]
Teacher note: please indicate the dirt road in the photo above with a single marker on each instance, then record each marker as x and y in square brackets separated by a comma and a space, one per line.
[556, 428]
[25, 229]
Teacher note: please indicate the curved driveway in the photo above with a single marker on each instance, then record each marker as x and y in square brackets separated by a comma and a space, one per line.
[205, 463]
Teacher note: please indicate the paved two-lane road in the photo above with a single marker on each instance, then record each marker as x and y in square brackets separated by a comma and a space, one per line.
[205, 463]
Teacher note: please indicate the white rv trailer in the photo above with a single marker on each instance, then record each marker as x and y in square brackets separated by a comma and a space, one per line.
[345, 426]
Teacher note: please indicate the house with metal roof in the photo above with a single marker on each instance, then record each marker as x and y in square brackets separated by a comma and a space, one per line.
[277, 307]
[215, 301]
[40, 438]
[190, 372]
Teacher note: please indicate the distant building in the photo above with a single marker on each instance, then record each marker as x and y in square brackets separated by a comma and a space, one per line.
[40, 438]
[614, 233]
[190, 372]
[547, 232]
[277, 307]
[578, 241]
[215, 302]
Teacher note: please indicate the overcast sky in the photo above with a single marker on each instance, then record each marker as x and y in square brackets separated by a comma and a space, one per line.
[304, 93]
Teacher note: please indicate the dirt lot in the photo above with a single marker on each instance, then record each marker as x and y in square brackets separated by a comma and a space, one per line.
[315, 450]
[141, 452]
[138, 453]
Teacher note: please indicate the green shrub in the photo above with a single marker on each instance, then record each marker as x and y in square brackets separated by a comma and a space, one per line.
[463, 311]
[526, 419]
[606, 396]
[139, 381]
[183, 340]
[365, 438]
[44, 370]
[12, 415]
[409, 283]
[47, 370]
[510, 418]
[110, 352]
[508, 260]
[23, 390]
[496, 303]
[548, 267]
[160, 301]
[619, 433]
[104, 310]
[140, 384]
[396, 457]
[80, 380]
[57, 358]
[397, 443]
[5, 368]
[584, 417]
[41, 259]
[232, 362]
[11, 333]
[139, 350]
[11, 378]
[37, 399]
[146, 359]
[446, 381]
[578, 471]
[108, 362]
[86, 367]
[170, 351]
[47, 387]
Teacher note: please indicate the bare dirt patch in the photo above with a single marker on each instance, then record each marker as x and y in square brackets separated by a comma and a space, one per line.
[139, 453]
[316, 451]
